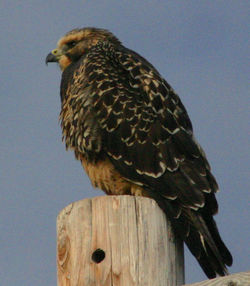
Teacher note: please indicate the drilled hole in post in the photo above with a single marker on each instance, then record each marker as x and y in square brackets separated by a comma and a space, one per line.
[98, 255]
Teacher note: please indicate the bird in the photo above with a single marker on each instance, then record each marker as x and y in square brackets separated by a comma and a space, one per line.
[133, 136]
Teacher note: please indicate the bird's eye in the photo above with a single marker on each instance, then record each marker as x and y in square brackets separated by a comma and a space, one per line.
[71, 44]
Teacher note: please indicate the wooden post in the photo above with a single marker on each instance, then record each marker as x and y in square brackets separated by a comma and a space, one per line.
[117, 241]
[238, 279]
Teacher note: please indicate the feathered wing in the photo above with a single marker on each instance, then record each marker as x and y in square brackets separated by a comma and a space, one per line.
[146, 132]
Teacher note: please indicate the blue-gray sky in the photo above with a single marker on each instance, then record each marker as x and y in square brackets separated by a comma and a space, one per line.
[200, 47]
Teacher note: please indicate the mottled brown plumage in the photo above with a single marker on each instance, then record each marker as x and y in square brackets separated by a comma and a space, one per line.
[133, 136]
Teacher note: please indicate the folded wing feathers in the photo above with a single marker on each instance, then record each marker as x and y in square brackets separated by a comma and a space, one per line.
[153, 125]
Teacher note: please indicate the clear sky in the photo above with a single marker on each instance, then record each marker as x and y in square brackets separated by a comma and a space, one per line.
[200, 47]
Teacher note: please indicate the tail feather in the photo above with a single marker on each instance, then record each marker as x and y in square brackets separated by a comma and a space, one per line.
[207, 212]
[210, 254]
[224, 252]
[199, 231]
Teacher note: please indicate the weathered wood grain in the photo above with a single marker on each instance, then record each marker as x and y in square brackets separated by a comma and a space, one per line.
[132, 232]
[238, 279]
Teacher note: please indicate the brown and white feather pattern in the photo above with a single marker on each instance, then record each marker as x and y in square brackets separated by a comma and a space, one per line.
[125, 122]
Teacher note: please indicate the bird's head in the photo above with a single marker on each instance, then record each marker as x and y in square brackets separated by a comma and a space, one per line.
[77, 43]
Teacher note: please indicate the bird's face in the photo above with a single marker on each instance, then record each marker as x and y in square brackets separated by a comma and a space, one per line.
[77, 43]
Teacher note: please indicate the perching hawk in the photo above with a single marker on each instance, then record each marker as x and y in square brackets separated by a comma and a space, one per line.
[133, 135]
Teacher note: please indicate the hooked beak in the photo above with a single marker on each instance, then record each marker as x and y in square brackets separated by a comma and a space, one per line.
[53, 56]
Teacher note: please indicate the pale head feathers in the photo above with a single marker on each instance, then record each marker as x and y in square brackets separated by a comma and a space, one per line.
[77, 42]
[89, 33]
